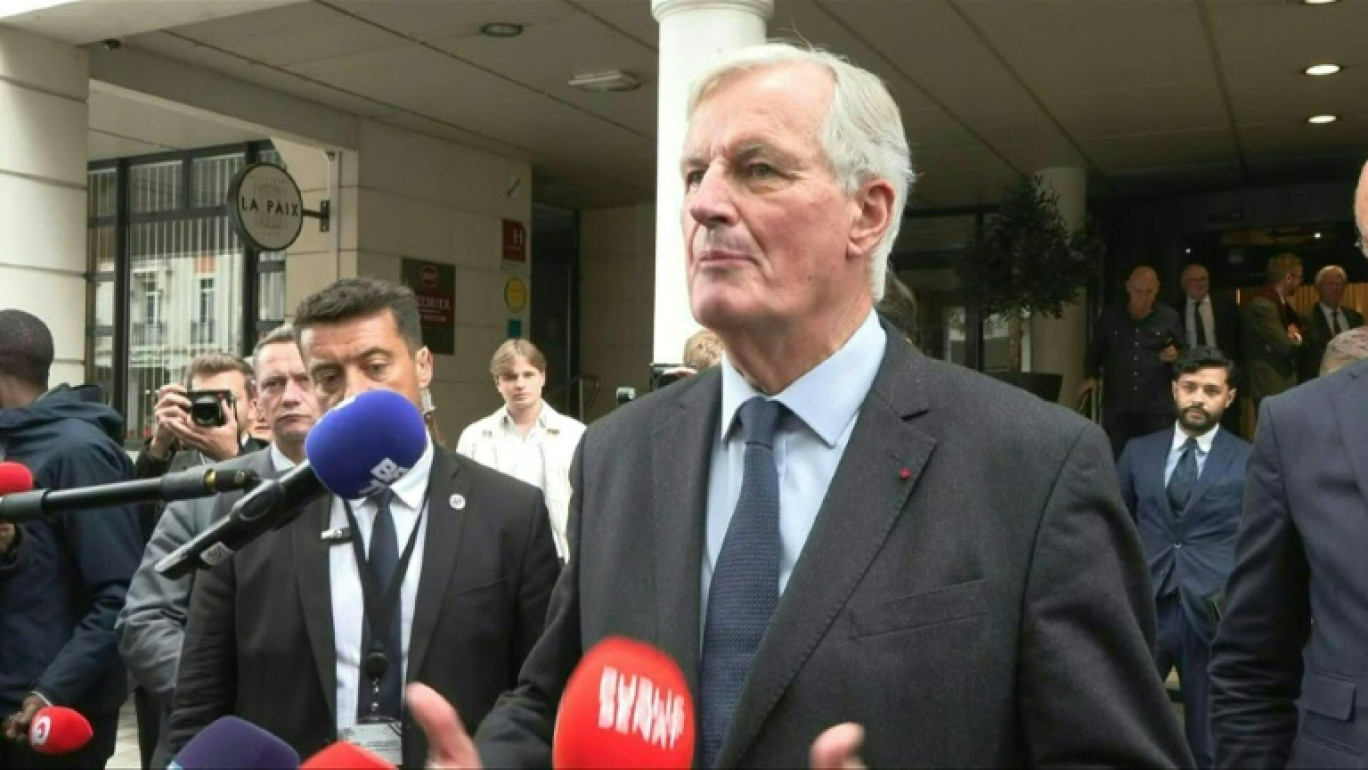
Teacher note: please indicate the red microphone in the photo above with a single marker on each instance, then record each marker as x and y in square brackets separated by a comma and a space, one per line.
[58, 730]
[626, 705]
[14, 478]
[345, 756]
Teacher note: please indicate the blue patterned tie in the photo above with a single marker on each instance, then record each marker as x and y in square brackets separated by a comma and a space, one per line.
[745, 580]
[383, 562]
[1184, 477]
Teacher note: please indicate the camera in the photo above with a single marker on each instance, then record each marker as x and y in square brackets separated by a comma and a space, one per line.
[206, 407]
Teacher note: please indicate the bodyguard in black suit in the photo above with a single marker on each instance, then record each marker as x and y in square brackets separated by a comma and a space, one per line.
[264, 640]
[1184, 487]
[1325, 319]
[1284, 690]
[902, 543]
[1211, 321]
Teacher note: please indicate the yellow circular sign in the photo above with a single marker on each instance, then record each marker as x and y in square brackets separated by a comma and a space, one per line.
[515, 294]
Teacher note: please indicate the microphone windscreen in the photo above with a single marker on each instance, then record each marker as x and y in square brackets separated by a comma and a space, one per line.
[626, 705]
[345, 756]
[366, 443]
[14, 478]
[58, 730]
[231, 743]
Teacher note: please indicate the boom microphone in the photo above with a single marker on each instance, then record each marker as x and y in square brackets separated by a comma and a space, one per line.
[230, 743]
[182, 485]
[58, 730]
[346, 756]
[364, 444]
[626, 705]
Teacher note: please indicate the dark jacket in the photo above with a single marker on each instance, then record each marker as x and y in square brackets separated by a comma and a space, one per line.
[58, 602]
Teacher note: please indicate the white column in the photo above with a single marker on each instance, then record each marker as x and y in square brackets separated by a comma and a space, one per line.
[43, 121]
[1058, 345]
[692, 33]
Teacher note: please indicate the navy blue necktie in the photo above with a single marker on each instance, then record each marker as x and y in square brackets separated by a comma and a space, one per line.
[383, 562]
[1184, 477]
[745, 580]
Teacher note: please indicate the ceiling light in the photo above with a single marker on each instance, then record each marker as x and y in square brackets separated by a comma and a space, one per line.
[501, 29]
[1322, 69]
[1319, 119]
[1319, 2]
[612, 80]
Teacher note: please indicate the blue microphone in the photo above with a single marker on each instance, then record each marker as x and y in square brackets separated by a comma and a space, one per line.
[230, 743]
[362, 445]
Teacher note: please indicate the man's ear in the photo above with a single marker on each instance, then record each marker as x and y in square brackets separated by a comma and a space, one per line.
[873, 216]
[422, 361]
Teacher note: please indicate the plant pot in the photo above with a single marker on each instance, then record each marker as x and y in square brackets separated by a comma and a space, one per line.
[1045, 385]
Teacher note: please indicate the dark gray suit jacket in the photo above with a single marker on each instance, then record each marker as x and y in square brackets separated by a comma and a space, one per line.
[1302, 553]
[990, 609]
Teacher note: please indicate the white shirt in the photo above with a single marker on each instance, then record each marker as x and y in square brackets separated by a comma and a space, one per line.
[1331, 315]
[1176, 450]
[520, 457]
[348, 606]
[1208, 321]
[808, 445]
[279, 461]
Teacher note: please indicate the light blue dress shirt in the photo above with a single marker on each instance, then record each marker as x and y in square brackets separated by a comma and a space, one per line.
[807, 448]
[1176, 450]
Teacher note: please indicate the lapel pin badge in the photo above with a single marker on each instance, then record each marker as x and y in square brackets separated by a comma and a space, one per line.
[336, 535]
[904, 474]
[457, 502]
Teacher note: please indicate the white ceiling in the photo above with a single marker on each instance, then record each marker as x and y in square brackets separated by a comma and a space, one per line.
[1151, 96]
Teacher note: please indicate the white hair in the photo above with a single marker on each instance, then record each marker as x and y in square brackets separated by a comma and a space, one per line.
[862, 134]
[1327, 271]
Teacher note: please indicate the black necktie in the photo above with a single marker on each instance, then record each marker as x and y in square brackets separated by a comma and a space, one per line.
[1335, 327]
[1184, 477]
[1200, 324]
[745, 581]
[383, 562]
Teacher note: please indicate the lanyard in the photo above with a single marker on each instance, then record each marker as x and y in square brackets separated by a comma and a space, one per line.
[378, 610]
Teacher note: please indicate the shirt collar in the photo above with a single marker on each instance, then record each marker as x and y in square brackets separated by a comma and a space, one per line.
[1327, 310]
[1204, 441]
[412, 486]
[279, 461]
[506, 419]
[828, 396]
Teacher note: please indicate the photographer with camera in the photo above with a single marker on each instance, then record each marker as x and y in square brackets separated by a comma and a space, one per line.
[207, 422]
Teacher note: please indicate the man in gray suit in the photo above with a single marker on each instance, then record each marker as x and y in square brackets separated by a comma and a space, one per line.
[832, 534]
[152, 624]
[1283, 689]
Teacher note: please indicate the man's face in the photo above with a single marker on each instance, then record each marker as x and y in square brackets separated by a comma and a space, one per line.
[1290, 282]
[235, 382]
[770, 237]
[1196, 283]
[1361, 209]
[521, 385]
[1202, 397]
[285, 398]
[1141, 290]
[1331, 289]
[367, 353]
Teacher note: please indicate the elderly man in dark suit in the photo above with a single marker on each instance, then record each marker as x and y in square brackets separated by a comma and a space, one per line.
[830, 528]
[1210, 321]
[1326, 319]
[1184, 486]
[1285, 689]
[275, 634]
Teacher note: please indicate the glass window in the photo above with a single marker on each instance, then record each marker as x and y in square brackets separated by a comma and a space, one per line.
[154, 187]
[209, 178]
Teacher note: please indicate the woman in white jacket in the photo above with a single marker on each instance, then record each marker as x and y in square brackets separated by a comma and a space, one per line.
[527, 439]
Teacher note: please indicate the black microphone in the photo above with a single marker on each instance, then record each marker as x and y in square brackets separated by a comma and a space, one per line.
[271, 504]
[183, 485]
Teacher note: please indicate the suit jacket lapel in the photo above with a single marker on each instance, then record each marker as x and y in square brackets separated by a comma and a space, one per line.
[442, 542]
[1353, 420]
[681, 459]
[1158, 452]
[1222, 453]
[314, 581]
[867, 496]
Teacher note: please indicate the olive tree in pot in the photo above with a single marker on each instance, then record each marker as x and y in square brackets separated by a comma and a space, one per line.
[1025, 263]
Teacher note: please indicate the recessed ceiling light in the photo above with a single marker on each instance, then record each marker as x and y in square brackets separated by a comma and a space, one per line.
[501, 29]
[1322, 69]
[1319, 2]
[1318, 119]
[611, 80]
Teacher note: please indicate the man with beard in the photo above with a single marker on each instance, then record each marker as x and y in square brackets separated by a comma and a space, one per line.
[1184, 486]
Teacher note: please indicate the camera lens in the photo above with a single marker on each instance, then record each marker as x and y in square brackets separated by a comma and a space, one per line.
[205, 410]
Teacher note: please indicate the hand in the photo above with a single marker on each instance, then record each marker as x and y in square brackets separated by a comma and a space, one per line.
[1169, 354]
[1294, 334]
[838, 748]
[8, 537]
[216, 443]
[172, 407]
[1087, 386]
[17, 724]
[449, 745]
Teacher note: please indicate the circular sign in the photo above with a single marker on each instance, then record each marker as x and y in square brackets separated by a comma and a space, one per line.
[515, 294]
[265, 207]
[427, 277]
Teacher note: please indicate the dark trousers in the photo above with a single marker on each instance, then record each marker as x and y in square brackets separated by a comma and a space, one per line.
[149, 711]
[93, 755]
[1181, 646]
[1121, 427]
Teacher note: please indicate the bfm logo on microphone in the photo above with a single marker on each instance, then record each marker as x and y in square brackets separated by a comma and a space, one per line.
[636, 705]
[385, 473]
[40, 730]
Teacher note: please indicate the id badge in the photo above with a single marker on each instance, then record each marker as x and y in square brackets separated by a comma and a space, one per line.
[384, 737]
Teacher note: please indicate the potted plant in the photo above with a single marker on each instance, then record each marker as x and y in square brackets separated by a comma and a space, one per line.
[1025, 263]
